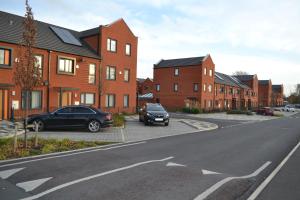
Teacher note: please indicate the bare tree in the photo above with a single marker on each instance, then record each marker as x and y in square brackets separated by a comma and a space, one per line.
[238, 73]
[27, 75]
[297, 89]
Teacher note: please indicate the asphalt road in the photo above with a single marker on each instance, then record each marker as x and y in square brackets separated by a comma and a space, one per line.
[236, 160]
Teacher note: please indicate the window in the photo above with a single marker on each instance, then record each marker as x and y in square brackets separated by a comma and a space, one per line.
[176, 72]
[209, 88]
[204, 87]
[196, 87]
[39, 64]
[110, 100]
[5, 57]
[34, 100]
[66, 65]
[210, 72]
[231, 91]
[126, 75]
[92, 74]
[82, 110]
[87, 98]
[209, 103]
[128, 49]
[221, 90]
[175, 87]
[157, 87]
[64, 110]
[110, 73]
[205, 71]
[126, 101]
[111, 45]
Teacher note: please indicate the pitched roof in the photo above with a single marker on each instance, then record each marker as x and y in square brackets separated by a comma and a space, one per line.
[229, 80]
[263, 82]
[277, 88]
[89, 32]
[11, 29]
[245, 77]
[180, 62]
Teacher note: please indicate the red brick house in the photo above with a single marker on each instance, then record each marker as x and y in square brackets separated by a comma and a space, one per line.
[277, 95]
[185, 82]
[95, 67]
[264, 93]
[145, 86]
[252, 82]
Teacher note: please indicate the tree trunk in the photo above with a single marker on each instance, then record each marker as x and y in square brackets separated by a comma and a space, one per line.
[16, 138]
[26, 119]
[36, 135]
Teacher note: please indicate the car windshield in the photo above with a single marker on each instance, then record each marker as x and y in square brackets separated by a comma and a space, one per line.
[155, 108]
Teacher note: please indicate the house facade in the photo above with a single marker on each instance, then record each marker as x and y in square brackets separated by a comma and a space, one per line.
[185, 82]
[96, 67]
[277, 95]
[252, 82]
[265, 93]
[144, 86]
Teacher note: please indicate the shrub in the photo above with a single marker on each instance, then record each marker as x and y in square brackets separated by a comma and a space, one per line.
[191, 110]
[236, 112]
[48, 148]
[118, 120]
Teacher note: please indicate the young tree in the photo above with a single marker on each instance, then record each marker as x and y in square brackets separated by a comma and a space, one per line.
[27, 75]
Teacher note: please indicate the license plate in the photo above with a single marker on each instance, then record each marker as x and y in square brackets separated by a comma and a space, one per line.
[159, 119]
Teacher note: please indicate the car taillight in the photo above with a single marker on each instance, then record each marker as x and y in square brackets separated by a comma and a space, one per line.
[108, 117]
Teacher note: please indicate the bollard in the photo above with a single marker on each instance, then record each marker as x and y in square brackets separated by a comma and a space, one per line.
[36, 128]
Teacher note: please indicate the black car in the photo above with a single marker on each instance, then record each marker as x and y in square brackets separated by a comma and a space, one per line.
[72, 117]
[153, 113]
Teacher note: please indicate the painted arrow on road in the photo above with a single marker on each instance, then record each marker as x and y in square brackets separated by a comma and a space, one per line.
[206, 172]
[171, 164]
[7, 173]
[31, 185]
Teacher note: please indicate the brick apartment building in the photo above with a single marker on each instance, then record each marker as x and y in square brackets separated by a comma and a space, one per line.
[184, 82]
[264, 93]
[144, 86]
[252, 82]
[277, 95]
[94, 67]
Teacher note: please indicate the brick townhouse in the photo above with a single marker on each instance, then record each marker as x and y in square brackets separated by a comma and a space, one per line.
[277, 95]
[264, 93]
[94, 67]
[185, 82]
[144, 86]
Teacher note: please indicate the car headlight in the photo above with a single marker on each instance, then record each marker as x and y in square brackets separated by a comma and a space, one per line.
[167, 115]
[148, 114]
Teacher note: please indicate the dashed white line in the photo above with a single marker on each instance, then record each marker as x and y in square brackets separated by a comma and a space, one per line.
[216, 186]
[93, 177]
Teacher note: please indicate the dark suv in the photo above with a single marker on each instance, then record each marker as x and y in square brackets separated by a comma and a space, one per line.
[154, 113]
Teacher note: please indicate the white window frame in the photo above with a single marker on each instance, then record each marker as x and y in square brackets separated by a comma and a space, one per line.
[111, 45]
[128, 49]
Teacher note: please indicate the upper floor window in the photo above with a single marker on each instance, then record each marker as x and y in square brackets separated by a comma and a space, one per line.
[204, 87]
[110, 73]
[176, 72]
[126, 75]
[205, 72]
[128, 49]
[66, 65]
[209, 88]
[39, 64]
[196, 87]
[157, 87]
[87, 98]
[92, 74]
[5, 57]
[210, 72]
[175, 87]
[111, 45]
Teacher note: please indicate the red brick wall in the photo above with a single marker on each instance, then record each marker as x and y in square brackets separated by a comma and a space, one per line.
[119, 31]
[146, 86]
[265, 94]
[93, 41]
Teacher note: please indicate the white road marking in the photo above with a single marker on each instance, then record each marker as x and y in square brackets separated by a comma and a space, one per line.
[93, 177]
[206, 172]
[262, 186]
[31, 185]
[171, 164]
[216, 186]
[70, 154]
[7, 173]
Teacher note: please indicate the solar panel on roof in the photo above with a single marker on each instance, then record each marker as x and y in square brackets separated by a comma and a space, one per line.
[219, 77]
[65, 36]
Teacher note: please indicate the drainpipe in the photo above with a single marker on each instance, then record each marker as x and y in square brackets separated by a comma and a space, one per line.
[48, 86]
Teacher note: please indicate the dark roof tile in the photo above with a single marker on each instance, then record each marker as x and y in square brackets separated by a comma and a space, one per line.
[180, 62]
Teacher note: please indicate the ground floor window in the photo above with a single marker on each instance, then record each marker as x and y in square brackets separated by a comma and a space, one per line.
[110, 100]
[34, 99]
[87, 98]
[126, 101]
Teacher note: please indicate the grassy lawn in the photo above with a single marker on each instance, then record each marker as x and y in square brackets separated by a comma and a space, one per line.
[44, 146]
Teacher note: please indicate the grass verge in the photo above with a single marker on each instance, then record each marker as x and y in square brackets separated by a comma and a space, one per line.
[119, 120]
[44, 146]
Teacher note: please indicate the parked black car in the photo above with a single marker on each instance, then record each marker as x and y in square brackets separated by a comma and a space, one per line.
[73, 117]
[153, 113]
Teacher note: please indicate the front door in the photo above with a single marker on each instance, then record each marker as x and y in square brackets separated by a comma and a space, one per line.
[64, 99]
[3, 104]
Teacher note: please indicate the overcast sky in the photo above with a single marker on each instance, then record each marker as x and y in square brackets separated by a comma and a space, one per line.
[257, 36]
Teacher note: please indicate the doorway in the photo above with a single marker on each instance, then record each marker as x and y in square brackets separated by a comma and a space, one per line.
[3, 104]
[64, 99]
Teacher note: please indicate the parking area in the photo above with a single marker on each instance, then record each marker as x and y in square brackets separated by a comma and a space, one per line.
[134, 131]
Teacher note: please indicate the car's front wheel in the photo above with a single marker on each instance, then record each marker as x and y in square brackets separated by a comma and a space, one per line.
[166, 123]
[94, 126]
[39, 124]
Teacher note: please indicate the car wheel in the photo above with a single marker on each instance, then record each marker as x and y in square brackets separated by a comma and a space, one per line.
[146, 122]
[40, 124]
[94, 126]
[140, 119]
[167, 124]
